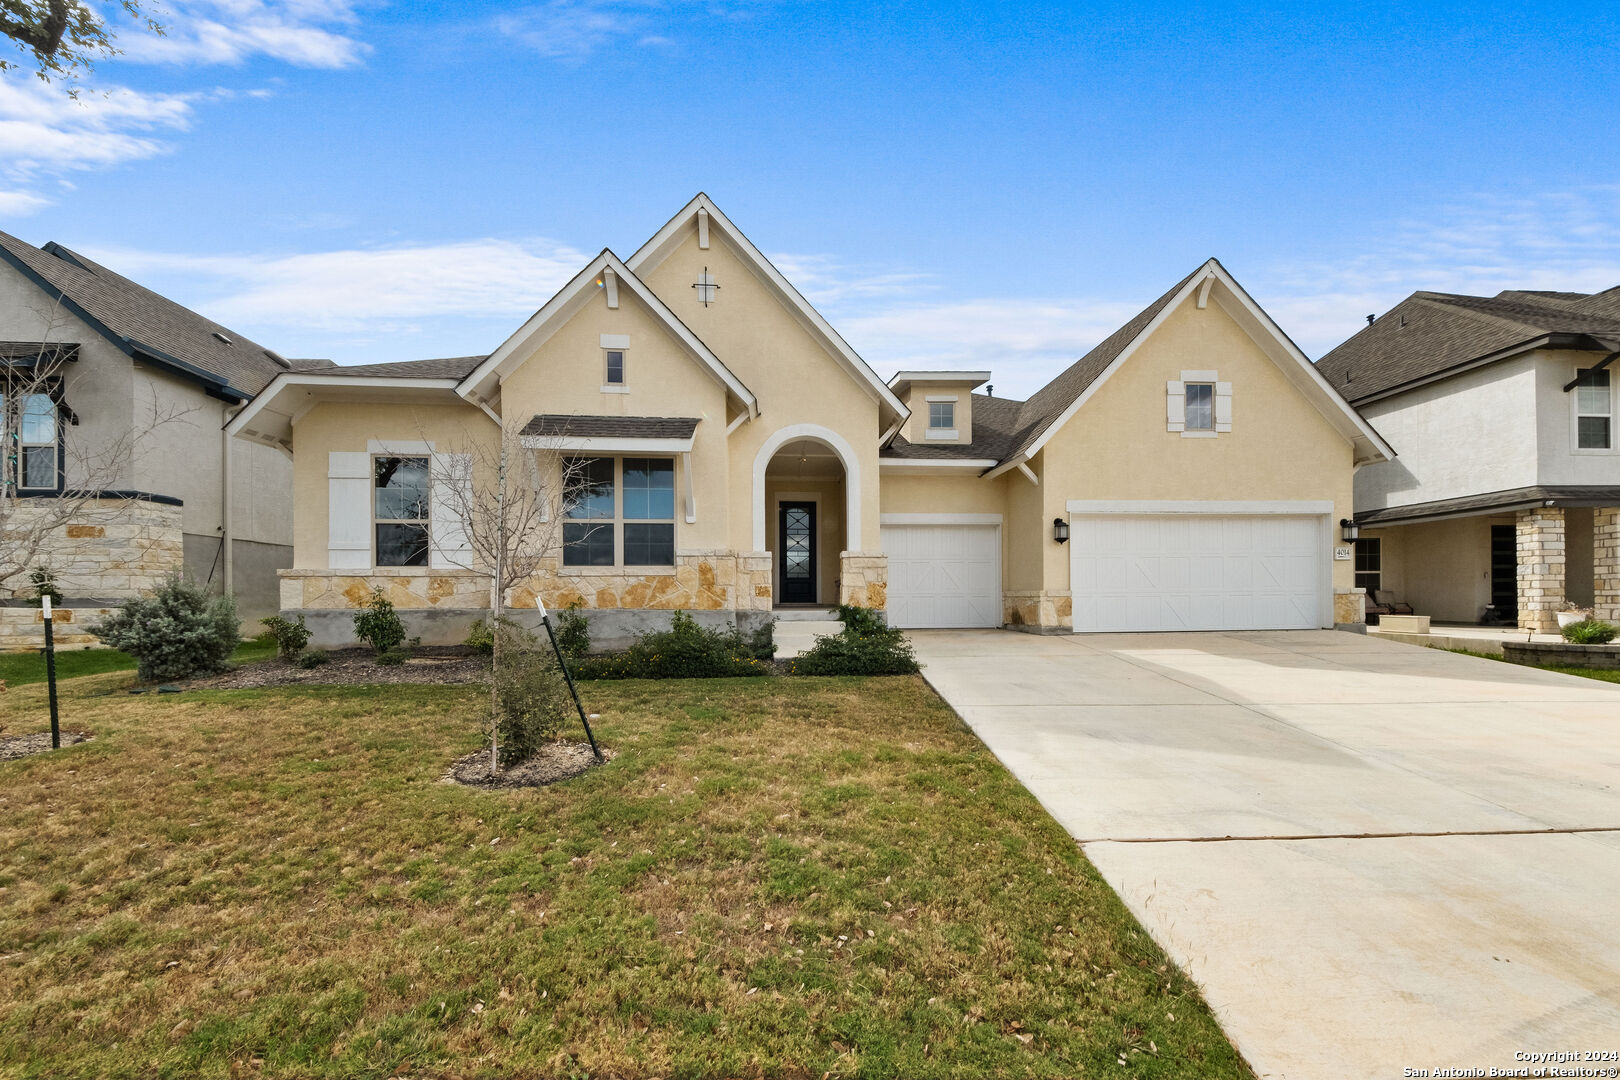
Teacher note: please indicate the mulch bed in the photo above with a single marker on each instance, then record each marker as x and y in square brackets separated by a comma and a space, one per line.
[555, 761]
[19, 746]
[354, 667]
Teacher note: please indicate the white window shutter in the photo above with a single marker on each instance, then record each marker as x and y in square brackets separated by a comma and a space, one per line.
[348, 510]
[1223, 406]
[1175, 405]
[450, 496]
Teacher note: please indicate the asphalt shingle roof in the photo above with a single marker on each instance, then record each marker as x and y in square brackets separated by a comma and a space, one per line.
[1430, 333]
[611, 427]
[993, 432]
[448, 367]
[144, 319]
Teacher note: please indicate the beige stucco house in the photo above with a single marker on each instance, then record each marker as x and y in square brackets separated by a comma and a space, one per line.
[1505, 503]
[1188, 473]
[114, 400]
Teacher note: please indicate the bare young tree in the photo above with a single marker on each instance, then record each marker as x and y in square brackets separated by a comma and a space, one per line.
[509, 496]
[51, 475]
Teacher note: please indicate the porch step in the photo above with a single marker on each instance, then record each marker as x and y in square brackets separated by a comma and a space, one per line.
[796, 637]
[804, 614]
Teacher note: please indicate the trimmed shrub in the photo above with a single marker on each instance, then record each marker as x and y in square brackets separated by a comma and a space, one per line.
[480, 638]
[1590, 632]
[177, 632]
[290, 637]
[573, 630]
[686, 650]
[313, 659]
[532, 699]
[393, 657]
[378, 624]
[865, 646]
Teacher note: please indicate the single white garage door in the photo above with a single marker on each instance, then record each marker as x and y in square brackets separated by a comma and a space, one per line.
[943, 575]
[1197, 572]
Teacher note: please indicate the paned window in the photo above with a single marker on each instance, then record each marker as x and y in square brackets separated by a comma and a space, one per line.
[399, 505]
[1594, 408]
[619, 512]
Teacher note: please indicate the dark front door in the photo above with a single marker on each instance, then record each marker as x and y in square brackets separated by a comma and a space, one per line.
[1505, 572]
[796, 536]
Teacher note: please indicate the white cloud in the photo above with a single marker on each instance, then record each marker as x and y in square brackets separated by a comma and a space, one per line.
[369, 291]
[1022, 342]
[21, 203]
[824, 280]
[303, 33]
[1562, 240]
[42, 129]
[572, 30]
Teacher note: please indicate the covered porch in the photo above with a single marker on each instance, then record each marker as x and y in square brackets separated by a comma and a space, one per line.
[1515, 561]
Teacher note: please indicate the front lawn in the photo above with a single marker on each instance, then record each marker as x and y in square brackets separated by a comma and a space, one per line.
[1601, 674]
[784, 877]
[20, 668]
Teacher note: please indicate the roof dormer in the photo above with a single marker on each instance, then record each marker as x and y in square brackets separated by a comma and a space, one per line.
[941, 404]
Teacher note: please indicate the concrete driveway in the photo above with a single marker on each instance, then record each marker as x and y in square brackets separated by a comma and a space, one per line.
[1372, 856]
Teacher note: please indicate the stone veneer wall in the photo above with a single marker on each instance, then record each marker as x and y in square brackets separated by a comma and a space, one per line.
[114, 550]
[1039, 611]
[1606, 563]
[863, 580]
[439, 605]
[1349, 607]
[1540, 543]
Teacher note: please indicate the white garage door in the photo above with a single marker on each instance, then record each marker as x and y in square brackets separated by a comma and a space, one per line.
[1196, 572]
[943, 575]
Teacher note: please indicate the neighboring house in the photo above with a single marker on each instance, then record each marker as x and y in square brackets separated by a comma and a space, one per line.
[744, 459]
[1502, 504]
[135, 407]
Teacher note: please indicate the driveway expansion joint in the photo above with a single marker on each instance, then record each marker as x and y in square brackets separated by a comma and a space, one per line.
[1347, 836]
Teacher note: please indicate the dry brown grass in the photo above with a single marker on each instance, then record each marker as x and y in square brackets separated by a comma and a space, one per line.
[775, 877]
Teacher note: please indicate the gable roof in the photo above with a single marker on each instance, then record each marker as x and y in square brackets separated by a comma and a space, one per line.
[478, 384]
[666, 239]
[139, 321]
[1432, 335]
[1050, 407]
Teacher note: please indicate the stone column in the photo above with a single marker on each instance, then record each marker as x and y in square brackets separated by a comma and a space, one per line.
[1540, 535]
[1606, 563]
[863, 580]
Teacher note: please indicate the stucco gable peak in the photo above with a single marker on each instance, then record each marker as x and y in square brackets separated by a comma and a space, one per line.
[619, 283]
[1211, 283]
[710, 221]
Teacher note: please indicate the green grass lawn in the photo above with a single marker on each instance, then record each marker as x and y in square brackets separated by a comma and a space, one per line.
[1602, 674]
[774, 877]
[20, 668]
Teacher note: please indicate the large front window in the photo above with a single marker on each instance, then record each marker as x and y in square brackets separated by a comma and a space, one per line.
[1594, 407]
[400, 507]
[619, 512]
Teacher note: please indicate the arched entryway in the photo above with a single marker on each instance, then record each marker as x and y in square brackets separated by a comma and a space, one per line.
[806, 512]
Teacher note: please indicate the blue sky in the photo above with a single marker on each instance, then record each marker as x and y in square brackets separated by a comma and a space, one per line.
[978, 185]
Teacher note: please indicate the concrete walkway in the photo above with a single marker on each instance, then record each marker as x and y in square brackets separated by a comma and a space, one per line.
[1347, 842]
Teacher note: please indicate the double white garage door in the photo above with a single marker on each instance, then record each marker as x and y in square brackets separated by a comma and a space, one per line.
[1128, 572]
[1133, 572]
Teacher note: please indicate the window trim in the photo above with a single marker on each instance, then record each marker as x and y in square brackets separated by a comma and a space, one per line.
[617, 521]
[426, 521]
[1576, 414]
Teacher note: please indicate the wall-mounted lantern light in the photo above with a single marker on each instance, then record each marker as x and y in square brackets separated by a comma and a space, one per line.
[1349, 530]
[1060, 530]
